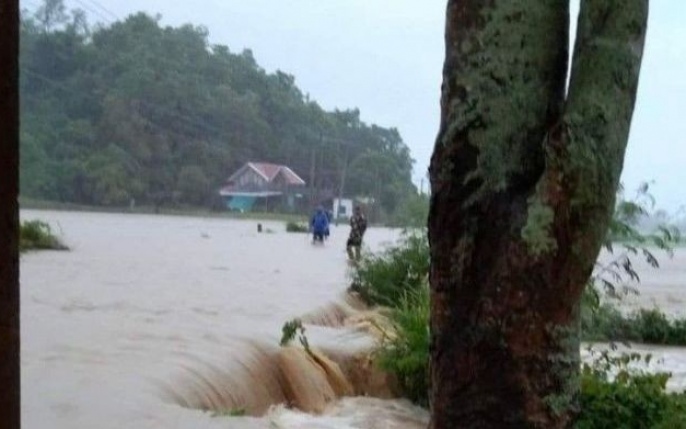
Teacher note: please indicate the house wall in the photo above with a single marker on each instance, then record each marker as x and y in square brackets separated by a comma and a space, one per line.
[250, 179]
[280, 180]
[342, 208]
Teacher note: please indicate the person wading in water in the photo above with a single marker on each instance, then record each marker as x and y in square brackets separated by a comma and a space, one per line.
[319, 225]
[358, 226]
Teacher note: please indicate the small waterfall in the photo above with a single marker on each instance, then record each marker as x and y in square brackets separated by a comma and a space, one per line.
[250, 382]
[332, 315]
[307, 384]
[265, 375]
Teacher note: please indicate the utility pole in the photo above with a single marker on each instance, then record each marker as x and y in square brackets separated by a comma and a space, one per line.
[313, 160]
[344, 172]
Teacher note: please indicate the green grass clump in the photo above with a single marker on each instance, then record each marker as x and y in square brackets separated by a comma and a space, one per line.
[37, 235]
[292, 226]
[406, 354]
[387, 278]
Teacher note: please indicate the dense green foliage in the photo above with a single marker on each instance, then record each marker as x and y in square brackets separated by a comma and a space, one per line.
[406, 353]
[615, 395]
[386, 278]
[135, 111]
[38, 235]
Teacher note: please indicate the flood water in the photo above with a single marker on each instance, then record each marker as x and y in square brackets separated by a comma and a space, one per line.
[148, 315]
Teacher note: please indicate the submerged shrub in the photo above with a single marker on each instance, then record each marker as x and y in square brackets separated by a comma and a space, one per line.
[36, 234]
[386, 278]
[290, 330]
[233, 412]
[605, 323]
[296, 227]
[649, 326]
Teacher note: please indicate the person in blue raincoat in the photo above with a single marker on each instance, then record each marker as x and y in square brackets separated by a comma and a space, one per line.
[319, 225]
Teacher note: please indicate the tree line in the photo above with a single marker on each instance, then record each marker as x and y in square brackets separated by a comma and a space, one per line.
[137, 111]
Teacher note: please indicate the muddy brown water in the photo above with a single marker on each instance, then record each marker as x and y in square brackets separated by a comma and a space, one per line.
[148, 316]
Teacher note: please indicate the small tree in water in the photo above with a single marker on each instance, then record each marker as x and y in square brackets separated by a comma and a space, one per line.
[523, 180]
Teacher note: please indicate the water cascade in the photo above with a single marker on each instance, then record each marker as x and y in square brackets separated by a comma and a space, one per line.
[338, 364]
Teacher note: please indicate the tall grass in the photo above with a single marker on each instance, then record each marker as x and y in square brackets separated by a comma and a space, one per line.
[406, 352]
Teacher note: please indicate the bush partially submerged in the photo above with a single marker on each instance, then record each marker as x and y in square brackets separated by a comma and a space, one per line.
[649, 326]
[296, 227]
[233, 412]
[36, 235]
[292, 329]
[387, 278]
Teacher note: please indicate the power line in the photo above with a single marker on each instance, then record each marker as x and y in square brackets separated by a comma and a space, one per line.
[104, 9]
[189, 120]
[199, 125]
[193, 122]
[93, 11]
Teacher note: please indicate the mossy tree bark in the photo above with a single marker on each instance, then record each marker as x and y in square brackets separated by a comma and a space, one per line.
[523, 180]
[9, 221]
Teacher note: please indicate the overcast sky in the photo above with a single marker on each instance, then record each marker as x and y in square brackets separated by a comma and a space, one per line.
[385, 57]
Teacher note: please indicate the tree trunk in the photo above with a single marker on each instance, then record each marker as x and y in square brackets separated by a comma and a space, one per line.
[9, 216]
[523, 180]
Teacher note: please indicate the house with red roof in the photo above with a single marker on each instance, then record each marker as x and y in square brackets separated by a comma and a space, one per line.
[263, 185]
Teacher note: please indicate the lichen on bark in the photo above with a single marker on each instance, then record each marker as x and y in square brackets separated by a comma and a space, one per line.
[501, 95]
[537, 232]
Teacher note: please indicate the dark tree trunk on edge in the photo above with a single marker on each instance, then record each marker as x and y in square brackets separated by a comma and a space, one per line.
[523, 180]
[9, 215]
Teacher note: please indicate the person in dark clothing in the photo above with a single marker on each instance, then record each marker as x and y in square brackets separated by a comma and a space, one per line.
[358, 226]
[319, 225]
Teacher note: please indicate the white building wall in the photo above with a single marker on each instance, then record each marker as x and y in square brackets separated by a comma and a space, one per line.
[342, 208]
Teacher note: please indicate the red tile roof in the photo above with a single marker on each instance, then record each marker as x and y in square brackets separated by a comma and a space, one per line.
[271, 171]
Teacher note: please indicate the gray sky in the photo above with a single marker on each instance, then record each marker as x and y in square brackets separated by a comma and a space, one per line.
[385, 57]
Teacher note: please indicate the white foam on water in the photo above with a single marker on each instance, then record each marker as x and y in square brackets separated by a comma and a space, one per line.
[355, 413]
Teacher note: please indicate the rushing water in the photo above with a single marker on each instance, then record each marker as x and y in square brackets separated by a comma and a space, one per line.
[148, 317]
